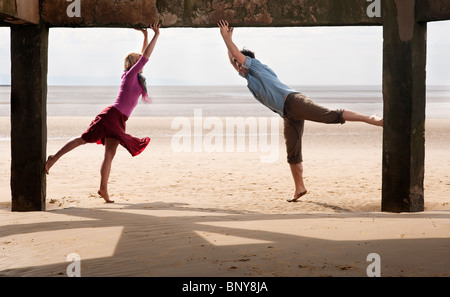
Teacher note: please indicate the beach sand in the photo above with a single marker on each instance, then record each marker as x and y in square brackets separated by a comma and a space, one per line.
[225, 214]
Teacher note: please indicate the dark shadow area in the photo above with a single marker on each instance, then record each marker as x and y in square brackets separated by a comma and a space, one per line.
[328, 206]
[178, 245]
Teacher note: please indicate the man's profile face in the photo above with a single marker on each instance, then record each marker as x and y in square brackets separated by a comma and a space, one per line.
[242, 71]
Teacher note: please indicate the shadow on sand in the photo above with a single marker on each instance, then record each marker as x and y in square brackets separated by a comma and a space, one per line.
[161, 239]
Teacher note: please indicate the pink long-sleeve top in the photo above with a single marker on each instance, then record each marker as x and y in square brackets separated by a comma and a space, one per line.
[130, 89]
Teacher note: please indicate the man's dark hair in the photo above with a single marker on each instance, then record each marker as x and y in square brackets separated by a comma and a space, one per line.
[248, 53]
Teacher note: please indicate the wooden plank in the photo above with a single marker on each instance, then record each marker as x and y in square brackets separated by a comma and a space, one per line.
[404, 63]
[19, 12]
[432, 10]
[201, 13]
[29, 51]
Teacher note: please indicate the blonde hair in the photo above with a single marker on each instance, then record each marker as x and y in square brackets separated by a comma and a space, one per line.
[130, 60]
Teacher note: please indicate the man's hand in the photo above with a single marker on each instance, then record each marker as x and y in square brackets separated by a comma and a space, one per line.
[225, 30]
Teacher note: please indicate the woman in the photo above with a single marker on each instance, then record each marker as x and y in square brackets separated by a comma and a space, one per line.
[108, 128]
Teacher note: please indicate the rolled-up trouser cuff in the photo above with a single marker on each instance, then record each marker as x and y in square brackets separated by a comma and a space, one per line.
[294, 160]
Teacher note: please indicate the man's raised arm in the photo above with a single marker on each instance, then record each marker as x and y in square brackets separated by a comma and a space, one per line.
[227, 34]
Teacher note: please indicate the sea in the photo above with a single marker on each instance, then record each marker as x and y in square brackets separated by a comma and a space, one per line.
[220, 101]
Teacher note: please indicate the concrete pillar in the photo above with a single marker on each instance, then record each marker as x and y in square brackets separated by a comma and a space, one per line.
[29, 55]
[404, 64]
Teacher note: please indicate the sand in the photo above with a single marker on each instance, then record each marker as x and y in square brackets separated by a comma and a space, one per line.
[225, 214]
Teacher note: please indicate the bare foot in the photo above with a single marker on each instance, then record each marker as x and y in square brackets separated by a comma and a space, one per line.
[105, 196]
[49, 163]
[296, 197]
[376, 120]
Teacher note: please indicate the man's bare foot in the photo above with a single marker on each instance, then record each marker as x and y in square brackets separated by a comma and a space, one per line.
[376, 120]
[105, 196]
[296, 197]
[49, 163]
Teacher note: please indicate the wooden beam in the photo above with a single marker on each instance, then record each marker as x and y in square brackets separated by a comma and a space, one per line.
[19, 11]
[201, 13]
[404, 63]
[432, 10]
[29, 55]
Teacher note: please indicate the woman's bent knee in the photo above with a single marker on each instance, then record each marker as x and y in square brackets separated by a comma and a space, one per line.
[80, 140]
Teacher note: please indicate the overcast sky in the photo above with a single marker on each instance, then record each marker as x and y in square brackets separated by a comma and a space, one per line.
[299, 56]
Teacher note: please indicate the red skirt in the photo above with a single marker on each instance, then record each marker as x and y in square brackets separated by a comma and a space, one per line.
[110, 123]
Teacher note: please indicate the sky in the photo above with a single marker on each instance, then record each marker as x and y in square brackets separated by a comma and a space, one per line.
[189, 56]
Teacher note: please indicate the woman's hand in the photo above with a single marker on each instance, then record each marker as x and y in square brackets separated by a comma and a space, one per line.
[143, 30]
[147, 51]
[155, 27]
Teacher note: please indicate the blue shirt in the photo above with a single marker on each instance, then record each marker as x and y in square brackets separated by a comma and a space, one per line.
[265, 86]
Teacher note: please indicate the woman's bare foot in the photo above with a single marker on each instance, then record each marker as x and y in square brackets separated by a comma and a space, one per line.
[105, 196]
[50, 161]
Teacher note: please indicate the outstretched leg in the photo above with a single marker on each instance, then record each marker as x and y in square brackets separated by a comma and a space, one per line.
[110, 151]
[352, 116]
[299, 108]
[73, 143]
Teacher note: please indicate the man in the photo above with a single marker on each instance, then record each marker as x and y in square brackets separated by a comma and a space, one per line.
[290, 104]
